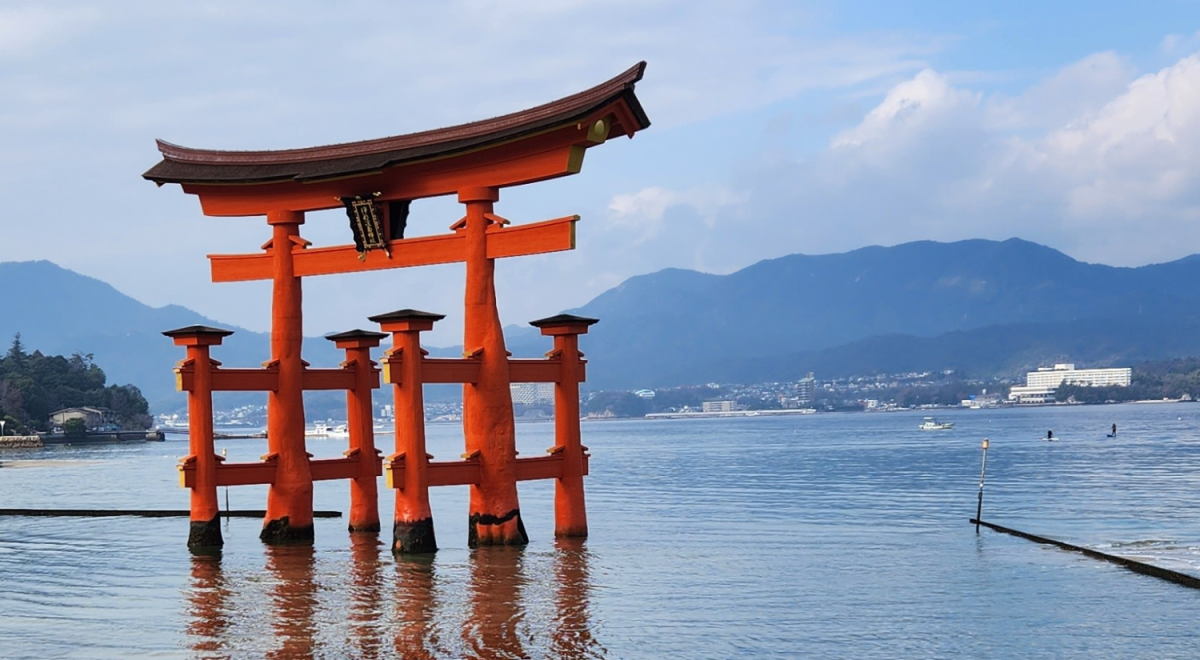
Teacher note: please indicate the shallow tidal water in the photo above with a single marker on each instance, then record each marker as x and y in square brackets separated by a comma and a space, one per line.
[832, 536]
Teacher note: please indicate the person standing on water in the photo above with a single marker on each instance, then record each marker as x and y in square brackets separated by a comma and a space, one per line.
[1050, 435]
[1114, 433]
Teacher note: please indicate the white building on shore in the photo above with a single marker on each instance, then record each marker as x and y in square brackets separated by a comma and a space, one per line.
[1040, 385]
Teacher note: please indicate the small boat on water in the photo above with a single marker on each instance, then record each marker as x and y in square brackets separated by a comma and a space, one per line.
[931, 424]
[322, 430]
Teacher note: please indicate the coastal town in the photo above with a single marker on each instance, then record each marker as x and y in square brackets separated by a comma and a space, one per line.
[1058, 384]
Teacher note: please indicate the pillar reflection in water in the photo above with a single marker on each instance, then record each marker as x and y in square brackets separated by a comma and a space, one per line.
[209, 607]
[416, 608]
[366, 597]
[496, 612]
[517, 604]
[295, 598]
[572, 635]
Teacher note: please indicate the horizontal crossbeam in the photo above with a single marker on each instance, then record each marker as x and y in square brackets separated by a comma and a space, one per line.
[466, 370]
[502, 241]
[267, 379]
[467, 472]
[263, 472]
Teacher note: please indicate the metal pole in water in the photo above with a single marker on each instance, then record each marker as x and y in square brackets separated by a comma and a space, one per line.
[225, 453]
[982, 470]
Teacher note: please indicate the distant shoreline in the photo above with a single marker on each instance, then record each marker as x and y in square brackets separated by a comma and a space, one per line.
[731, 413]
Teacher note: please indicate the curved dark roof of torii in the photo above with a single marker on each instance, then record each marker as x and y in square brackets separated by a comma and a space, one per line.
[187, 165]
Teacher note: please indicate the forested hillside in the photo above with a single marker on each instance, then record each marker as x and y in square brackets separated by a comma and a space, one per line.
[33, 385]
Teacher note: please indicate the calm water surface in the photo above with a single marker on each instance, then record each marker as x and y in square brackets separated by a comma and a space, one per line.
[831, 536]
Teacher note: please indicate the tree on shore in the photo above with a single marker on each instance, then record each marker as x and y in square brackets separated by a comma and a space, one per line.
[33, 385]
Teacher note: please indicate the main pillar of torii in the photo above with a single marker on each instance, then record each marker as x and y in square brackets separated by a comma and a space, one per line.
[375, 181]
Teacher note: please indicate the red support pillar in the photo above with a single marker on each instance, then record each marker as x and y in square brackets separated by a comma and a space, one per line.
[412, 528]
[360, 420]
[488, 424]
[204, 533]
[570, 510]
[290, 498]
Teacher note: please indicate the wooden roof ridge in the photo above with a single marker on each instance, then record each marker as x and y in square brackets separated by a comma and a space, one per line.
[183, 164]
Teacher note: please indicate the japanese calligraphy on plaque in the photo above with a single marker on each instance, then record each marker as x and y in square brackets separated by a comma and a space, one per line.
[365, 224]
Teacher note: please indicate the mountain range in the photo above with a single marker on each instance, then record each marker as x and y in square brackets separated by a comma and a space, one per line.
[60, 312]
[982, 307]
[986, 308]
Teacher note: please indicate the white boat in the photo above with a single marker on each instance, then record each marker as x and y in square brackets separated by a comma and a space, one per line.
[931, 424]
[322, 430]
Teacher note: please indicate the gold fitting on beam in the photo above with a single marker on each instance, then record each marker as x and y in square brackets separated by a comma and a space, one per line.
[598, 131]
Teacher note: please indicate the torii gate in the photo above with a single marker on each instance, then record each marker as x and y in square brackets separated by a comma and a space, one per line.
[375, 181]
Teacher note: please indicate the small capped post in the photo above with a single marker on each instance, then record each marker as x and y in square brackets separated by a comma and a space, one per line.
[360, 424]
[570, 509]
[412, 528]
[204, 534]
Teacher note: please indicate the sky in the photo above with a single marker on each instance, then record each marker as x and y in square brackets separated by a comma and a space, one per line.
[777, 128]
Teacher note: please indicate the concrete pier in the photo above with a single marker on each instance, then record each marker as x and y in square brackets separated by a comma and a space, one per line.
[20, 442]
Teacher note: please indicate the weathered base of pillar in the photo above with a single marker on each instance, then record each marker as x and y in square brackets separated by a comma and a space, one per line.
[364, 528]
[205, 535]
[280, 532]
[488, 529]
[410, 538]
[577, 532]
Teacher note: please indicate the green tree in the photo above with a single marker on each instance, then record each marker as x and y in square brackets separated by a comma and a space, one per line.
[619, 404]
[16, 351]
[33, 385]
[130, 406]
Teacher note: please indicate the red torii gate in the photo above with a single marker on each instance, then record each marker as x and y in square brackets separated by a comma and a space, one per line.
[376, 180]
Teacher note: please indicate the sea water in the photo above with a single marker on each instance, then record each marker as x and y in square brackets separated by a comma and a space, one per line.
[823, 536]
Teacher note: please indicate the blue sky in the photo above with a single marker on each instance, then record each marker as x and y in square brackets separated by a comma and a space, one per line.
[779, 128]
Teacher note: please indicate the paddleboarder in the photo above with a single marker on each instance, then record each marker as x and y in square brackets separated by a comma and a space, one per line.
[1050, 435]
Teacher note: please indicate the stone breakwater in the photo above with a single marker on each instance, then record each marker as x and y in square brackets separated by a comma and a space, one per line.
[20, 442]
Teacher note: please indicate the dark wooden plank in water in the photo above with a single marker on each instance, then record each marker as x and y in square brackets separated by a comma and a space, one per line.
[142, 513]
[1131, 564]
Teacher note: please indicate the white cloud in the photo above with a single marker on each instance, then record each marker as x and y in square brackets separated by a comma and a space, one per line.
[646, 205]
[1090, 160]
[1133, 168]
[649, 204]
[1077, 91]
[676, 217]
[1114, 182]
[909, 109]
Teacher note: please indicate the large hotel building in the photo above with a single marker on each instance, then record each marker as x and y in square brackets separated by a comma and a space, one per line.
[1040, 385]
